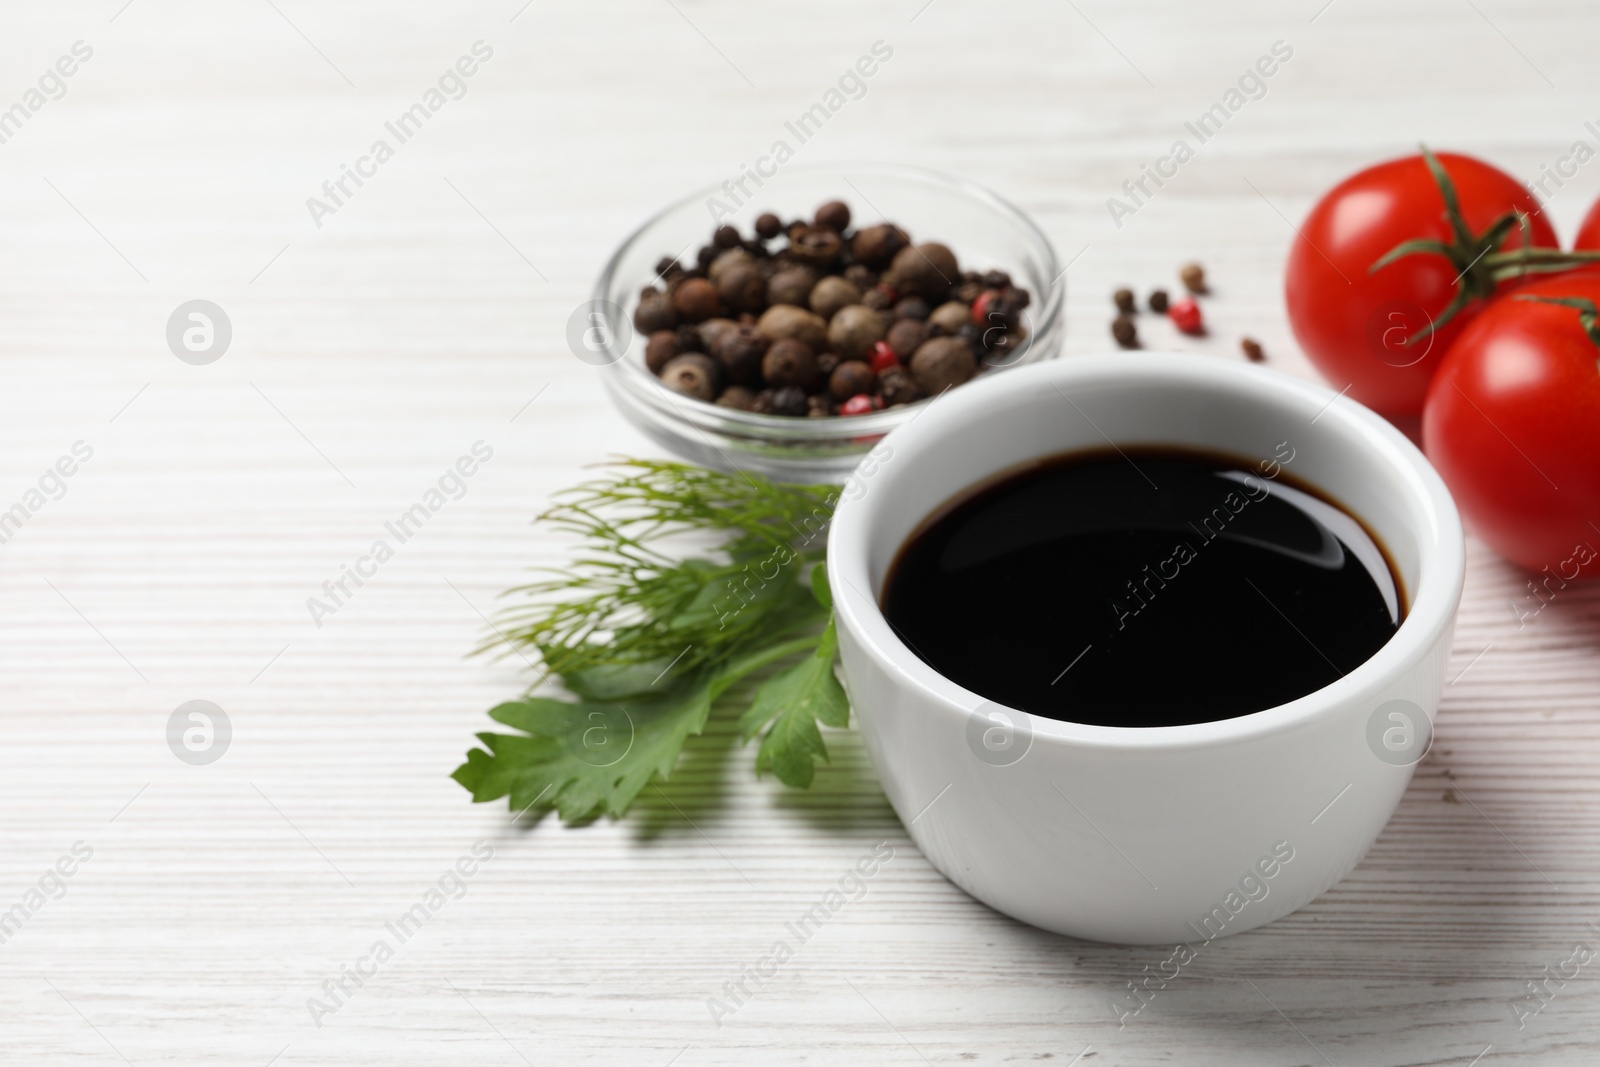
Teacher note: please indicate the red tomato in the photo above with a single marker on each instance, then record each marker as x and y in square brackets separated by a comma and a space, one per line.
[1355, 323]
[1589, 231]
[1513, 424]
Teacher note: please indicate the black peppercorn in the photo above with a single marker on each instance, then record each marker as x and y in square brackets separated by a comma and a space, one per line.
[1123, 329]
[768, 226]
[659, 349]
[835, 214]
[696, 300]
[876, 246]
[704, 255]
[790, 400]
[912, 307]
[692, 374]
[790, 362]
[666, 266]
[996, 279]
[851, 378]
[1123, 298]
[897, 386]
[725, 237]
[690, 339]
[655, 312]
[1158, 301]
[827, 362]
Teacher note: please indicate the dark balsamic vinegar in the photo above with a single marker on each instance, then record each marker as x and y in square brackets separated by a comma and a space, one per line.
[1146, 587]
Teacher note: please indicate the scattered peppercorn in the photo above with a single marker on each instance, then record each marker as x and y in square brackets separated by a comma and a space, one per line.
[1253, 350]
[832, 322]
[1185, 315]
[1126, 333]
[1158, 301]
[1124, 301]
[1193, 276]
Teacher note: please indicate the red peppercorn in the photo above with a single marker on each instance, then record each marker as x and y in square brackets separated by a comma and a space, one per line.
[883, 356]
[1185, 315]
[980, 307]
[860, 404]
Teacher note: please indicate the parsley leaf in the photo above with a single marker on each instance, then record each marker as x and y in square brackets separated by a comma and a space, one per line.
[794, 701]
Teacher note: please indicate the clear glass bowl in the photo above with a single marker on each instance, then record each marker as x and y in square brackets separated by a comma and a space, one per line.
[985, 232]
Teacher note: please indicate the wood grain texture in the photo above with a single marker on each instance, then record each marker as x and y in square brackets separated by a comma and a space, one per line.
[424, 316]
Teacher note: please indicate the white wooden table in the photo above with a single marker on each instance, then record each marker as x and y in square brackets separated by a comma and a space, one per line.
[425, 314]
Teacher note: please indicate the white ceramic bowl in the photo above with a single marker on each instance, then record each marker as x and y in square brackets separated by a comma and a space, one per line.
[1146, 835]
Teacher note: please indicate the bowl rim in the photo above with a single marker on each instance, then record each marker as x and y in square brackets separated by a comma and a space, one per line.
[632, 375]
[1440, 540]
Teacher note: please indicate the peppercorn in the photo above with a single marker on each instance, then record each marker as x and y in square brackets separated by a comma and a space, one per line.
[906, 336]
[785, 320]
[883, 357]
[816, 246]
[827, 362]
[876, 299]
[927, 270]
[659, 349]
[690, 339]
[1185, 315]
[790, 362]
[1123, 298]
[768, 225]
[1253, 350]
[736, 396]
[704, 255]
[912, 307]
[950, 316]
[742, 287]
[740, 349]
[820, 405]
[1158, 301]
[1018, 298]
[667, 265]
[996, 279]
[791, 285]
[696, 300]
[876, 246]
[849, 378]
[966, 292]
[860, 404]
[941, 363]
[835, 214]
[853, 330]
[761, 403]
[832, 293]
[726, 261]
[1193, 276]
[790, 400]
[860, 277]
[655, 312]
[970, 334]
[896, 386]
[725, 237]
[1123, 329]
[710, 331]
[692, 374]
